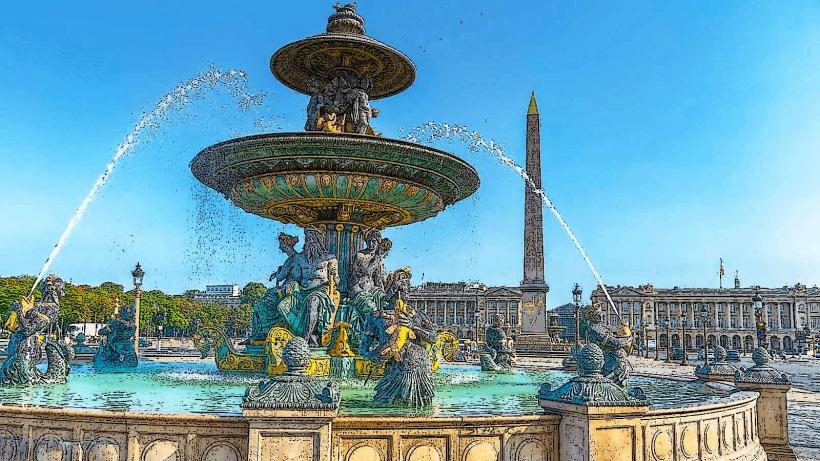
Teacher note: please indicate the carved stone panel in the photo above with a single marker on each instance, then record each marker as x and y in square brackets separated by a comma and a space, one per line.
[102, 449]
[161, 450]
[221, 451]
[481, 449]
[661, 443]
[10, 445]
[358, 449]
[51, 448]
[424, 449]
[289, 447]
[614, 444]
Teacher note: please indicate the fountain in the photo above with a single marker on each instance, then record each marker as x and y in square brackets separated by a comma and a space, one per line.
[336, 321]
[343, 183]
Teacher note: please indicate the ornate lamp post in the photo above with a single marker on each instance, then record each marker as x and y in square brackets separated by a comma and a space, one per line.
[137, 274]
[576, 298]
[757, 303]
[644, 339]
[683, 361]
[657, 342]
[704, 316]
[668, 342]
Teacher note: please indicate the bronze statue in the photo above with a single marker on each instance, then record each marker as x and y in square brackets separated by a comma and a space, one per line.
[615, 345]
[396, 337]
[499, 349]
[304, 299]
[27, 323]
[117, 341]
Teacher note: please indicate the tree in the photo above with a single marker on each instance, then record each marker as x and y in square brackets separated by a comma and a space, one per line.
[252, 292]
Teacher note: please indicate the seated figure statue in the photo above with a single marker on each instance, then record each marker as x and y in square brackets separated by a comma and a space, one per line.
[304, 298]
[117, 341]
[500, 350]
[367, 281]
[395, 337]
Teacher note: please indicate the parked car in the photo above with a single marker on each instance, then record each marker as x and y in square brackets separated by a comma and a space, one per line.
[733, 356]
[144, 342]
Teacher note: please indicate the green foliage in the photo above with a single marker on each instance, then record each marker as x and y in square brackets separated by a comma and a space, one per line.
[252, 292]
[86, 303]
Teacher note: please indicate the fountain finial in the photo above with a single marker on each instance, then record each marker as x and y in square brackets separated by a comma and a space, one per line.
[345, 20]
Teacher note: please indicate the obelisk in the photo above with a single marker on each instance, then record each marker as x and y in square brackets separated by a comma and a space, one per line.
[534, 287]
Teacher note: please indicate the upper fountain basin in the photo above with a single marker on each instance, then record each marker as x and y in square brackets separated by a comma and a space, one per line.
[315, 177]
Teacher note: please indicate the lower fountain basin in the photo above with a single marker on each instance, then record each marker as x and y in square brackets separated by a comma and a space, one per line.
[185, 387]
[189, 411]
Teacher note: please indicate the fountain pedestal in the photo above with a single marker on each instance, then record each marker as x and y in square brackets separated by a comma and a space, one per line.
[302, 435]
[772, 405]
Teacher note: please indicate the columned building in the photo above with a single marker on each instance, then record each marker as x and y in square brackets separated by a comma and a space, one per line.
[465, 309]
[730, 316]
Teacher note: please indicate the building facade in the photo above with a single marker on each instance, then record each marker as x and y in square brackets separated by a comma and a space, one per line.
[466, 308]
[730, 315]
[218, 294]
[565, 317]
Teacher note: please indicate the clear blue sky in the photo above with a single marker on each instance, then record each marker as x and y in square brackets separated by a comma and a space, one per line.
[673, 134]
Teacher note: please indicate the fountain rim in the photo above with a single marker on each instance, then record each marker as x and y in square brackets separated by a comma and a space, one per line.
[464, 190]
[354, 39]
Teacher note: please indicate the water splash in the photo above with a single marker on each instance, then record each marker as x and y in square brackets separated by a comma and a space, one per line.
[431, 132]
[175, 100]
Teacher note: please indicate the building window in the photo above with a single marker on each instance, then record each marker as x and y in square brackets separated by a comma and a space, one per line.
[813, 324]
[514, 319]
[734, 322]
[814, 307]
[732, 308]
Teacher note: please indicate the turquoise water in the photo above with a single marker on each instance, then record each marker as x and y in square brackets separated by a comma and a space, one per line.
[198, 387]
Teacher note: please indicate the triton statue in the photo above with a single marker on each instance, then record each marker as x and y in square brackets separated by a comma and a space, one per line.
[615, 345]
[117, 341]
[304, 299]
[499, 352]
[29, 325]
[396, 337]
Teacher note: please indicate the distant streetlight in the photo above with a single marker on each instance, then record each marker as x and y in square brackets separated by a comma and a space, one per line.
[577, 292]
[757, 303]
[704, 315]
[668, 339]
[137, 274]
[683, 361]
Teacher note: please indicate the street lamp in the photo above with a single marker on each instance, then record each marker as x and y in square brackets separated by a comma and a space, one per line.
[137, 274]
[757, 303]
[668, 342]
[656, 326]
[683, 361]
[704, 315]
[576, 297]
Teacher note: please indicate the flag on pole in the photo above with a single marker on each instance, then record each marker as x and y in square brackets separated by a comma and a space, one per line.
[722, 272]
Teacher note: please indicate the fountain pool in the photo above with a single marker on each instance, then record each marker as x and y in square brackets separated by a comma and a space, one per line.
[184, 387]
